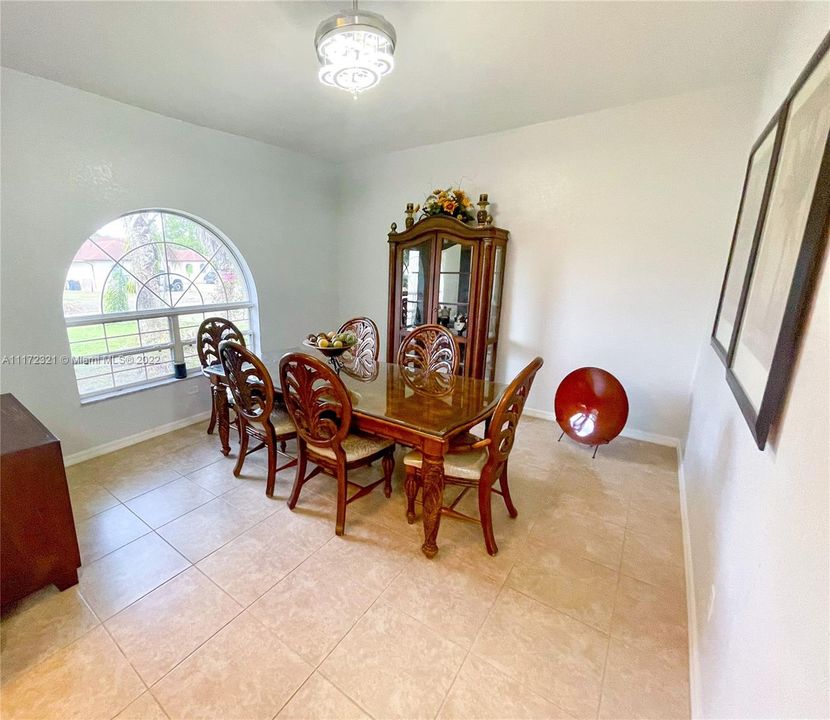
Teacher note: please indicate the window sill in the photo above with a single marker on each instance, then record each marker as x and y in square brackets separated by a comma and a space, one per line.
[142, 388]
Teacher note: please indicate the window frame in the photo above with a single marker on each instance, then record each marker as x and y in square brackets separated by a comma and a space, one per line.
[176, 345]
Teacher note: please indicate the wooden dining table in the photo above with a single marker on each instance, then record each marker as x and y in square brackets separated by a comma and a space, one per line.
[414, 408]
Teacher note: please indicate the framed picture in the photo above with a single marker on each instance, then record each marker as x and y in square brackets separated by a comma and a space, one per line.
[787, 252]
[754, 198]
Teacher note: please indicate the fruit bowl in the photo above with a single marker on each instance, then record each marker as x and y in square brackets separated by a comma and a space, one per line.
[331, 344]
[329, 351]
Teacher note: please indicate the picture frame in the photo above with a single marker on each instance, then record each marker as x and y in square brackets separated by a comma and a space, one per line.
[787, 253]
[760, 170]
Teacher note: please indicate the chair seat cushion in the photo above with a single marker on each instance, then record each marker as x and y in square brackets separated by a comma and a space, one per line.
[466, 465]
[283, 425]
[356, 447]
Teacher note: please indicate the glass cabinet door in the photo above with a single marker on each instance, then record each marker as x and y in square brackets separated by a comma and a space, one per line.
[494, 313]
[456, 287]
[415, 267]
[495, 295]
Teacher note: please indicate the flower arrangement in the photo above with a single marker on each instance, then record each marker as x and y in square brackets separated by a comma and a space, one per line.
[452, 201]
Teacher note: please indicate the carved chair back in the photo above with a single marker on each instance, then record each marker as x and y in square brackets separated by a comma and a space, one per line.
[212, 332]
[249, 382]
[317, 401]
[431, 348]
[502, 430]
[365, 353]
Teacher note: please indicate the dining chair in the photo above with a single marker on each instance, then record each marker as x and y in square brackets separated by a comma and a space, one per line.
[321, 408]
[257, 412]
[365, 353]
[479, 463]
[431, 348]
[212, 332]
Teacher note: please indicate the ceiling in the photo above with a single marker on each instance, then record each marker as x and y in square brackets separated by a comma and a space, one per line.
[462, 68]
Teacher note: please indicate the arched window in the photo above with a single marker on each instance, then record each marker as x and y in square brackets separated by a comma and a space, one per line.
[136, 293]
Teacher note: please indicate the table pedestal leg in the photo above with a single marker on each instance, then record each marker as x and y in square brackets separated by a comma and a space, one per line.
[220, 398]
[432, 471]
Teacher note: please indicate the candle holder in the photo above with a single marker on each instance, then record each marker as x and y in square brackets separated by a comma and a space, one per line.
[481, 216]
[410, 215]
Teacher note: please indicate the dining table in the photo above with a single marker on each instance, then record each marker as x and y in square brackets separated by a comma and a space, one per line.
[418, 409]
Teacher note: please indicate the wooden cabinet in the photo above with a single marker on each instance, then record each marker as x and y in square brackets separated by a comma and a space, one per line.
[38, 545]
[444, 271]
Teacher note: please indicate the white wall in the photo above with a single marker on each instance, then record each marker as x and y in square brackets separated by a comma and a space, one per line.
[72, 161]
[758, 521]
[614, 217]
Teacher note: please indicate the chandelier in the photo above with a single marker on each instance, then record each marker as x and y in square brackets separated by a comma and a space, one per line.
[355, 49]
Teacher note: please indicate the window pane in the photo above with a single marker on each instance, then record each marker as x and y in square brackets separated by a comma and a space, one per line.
[155, 338]
[88, 347]
[149, 324]
[230, 285]
[127, 327]
[128, 342]
[192, 295]
[191, 362]
[92, 369]
[95, 384]
[186, 263]
[189, 326]
[191, 320]
[159, 364]
[184, 233]
[158, 372]
[144, 262]
[154, 294]
[128, 377]
[86, 277]
[85, 332]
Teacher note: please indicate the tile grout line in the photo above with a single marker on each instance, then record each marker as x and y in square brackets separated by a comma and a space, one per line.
[345, 635]
[103, 623]
[363, 614]
[611, 626]
[563, 612]
[198, 647]
[141, 519]
[194, 566]
[153, 532]
[472, 644]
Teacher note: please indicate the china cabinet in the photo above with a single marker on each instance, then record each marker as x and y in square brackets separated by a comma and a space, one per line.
[444, 271]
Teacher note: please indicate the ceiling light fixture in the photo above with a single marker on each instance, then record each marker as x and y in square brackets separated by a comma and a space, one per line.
[355, 49]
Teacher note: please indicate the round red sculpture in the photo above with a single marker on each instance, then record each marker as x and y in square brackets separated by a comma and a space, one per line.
[591, 406]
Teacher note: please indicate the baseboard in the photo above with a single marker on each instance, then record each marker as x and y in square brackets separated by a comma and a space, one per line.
[631, 433]
[691, 607]
[109, 447]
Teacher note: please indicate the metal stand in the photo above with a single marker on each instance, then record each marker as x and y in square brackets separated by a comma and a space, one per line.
[334, 361]
[596, 447]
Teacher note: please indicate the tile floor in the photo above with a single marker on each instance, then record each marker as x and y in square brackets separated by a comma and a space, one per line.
[201, 598]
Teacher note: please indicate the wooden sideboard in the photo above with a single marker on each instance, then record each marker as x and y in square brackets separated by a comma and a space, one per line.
[38, 544]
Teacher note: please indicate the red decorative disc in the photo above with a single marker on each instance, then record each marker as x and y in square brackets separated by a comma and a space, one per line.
[591, 406]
